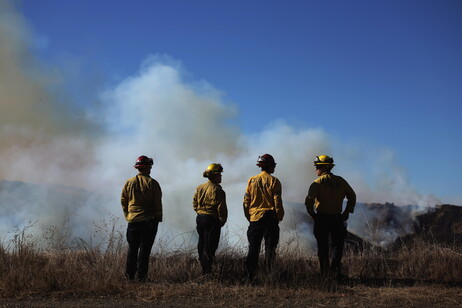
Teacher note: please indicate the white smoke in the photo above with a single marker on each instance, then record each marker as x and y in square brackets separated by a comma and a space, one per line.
[186, 127]
[183, 125]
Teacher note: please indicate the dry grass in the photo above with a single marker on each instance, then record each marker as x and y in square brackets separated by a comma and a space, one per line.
[419, 274]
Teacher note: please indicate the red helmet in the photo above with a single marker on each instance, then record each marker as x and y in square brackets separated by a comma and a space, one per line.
[265, 160]
[143, 162]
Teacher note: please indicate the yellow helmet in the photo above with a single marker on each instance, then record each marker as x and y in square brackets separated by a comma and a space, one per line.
[213, 169]
[324, 160]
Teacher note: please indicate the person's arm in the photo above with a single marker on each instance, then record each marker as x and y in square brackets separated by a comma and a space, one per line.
[310, 200]
[124, 200]
[195, 200]
[277, 195]
[351, 201]
[222, 208]
[158, 203]
[246, 203]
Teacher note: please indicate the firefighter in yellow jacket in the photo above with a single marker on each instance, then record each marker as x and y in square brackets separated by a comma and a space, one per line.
[326, 194]
[209, 202]
[264, 210]
[142, 206]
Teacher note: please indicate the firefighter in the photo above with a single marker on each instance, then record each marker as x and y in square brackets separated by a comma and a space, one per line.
[209, 202]
[324, 204]
[142, 206]
[264, 210]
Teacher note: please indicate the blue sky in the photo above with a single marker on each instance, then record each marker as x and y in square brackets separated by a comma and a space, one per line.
[383, 74]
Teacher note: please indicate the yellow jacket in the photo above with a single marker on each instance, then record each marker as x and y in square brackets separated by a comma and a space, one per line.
[142, 199]
[327, 193]
[263, 193]
[210, 199]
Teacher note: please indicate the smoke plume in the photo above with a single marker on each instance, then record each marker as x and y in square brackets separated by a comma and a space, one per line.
[81, 156]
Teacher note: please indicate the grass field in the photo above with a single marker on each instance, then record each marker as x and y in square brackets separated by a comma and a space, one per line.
[421, 274]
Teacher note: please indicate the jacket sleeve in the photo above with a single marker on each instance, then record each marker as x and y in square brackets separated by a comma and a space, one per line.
[195, 202]
[158, 202]
[311, 198]
[277, 195]
[124, 200]
[222, 208]
[351, 197]
[247, 201]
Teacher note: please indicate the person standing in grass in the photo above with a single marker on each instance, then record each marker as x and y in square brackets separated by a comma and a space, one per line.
[142, 206]
[209, 202]
[264, 210]
[326, 195]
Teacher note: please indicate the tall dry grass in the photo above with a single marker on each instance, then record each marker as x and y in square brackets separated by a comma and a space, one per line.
[73, 267]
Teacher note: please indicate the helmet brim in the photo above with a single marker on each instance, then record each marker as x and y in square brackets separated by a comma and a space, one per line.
[142, 166]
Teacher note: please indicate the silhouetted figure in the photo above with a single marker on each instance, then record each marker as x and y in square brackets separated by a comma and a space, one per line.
[327, 193]
[264, 210]
[209, 202]
[142, 205]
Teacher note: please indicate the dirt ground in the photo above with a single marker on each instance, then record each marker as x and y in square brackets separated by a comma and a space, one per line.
[358, 296]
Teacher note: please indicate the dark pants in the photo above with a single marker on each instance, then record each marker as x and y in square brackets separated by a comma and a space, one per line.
[209, 229]
[330, 232]
[268, 228]
[140, 238]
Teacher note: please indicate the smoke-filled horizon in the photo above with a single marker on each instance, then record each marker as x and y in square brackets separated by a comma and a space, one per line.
[48, 138]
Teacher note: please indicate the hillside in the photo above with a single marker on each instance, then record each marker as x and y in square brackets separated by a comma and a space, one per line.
[371, 224]
[442, 224]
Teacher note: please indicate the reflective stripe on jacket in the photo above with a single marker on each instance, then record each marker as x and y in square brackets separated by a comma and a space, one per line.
[327, 193]
[142, 199]
[263, 193]
[210, 199]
